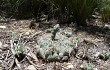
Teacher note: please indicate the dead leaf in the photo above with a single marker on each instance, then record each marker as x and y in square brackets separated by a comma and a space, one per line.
[30, 67]
[82, 66]
[0, 44]
[5, 45]
[32, 55]
[27, 33]
[96, 54]
[68, 66]
[107, 25]
[18, 64]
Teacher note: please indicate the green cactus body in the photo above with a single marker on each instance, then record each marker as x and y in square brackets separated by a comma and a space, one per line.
[104, 55]
[88, 66]
[42, 53]
[54, 50]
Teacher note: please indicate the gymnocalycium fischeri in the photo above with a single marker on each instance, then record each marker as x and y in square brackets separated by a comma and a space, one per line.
[54, 50]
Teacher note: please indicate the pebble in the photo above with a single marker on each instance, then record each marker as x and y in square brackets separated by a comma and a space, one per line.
[97, 54]
[68, 66]
[2, 27]
[95, 69]
[30, 67]
[5, 45]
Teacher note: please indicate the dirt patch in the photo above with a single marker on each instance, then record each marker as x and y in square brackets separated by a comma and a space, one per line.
[93, 40]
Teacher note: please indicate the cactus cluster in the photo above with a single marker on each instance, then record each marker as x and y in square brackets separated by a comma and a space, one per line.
[104, 55]
[87, 66]
[55, 47]
[51, 50]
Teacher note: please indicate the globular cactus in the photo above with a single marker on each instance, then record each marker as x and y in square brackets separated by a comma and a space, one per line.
[87, 66]
[54, 50]
[104, 55]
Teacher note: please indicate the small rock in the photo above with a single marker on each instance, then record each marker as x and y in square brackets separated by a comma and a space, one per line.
[82, 66]
[13, 19]
[2, 27]
[27, 33]
[0, 68]
[95, 69]
[68, 66]
[0, 44]
[33, 56]
[65, 58]
[97, 54]
[106, 25]
[5, 45]
[30, 67]
[21, 21]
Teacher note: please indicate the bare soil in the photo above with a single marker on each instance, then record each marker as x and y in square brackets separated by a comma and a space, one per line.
[94, 39]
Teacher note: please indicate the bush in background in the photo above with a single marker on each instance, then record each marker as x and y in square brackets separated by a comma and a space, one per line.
[106, 13]
[82, 9]
[79, 10]
[105, 10]
[21, 8]
[15, 7]
[59, 10]
[64, 10]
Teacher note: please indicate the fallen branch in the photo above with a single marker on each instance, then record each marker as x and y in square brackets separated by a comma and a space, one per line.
[30, 37]
[18, 64]
[12, 47]
[31, 62]
[37, 33]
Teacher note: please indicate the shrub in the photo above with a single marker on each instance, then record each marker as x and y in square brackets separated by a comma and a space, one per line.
[106, 13]
[22, 8]
[104, 7]
[59, 9]
[82, 9]
[59, 5]
[15, 7]
[74, 10]
[39, 6]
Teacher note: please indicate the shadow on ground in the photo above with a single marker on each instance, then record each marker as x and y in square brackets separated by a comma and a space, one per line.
[97, 31]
